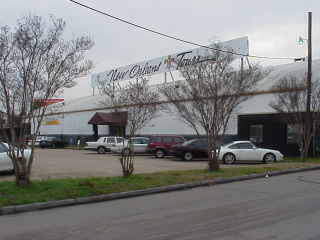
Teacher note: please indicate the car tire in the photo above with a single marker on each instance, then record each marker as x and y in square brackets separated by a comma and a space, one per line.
[269, 158]
[187, 156]
[229, 158]
[101, 150]
[160, 153]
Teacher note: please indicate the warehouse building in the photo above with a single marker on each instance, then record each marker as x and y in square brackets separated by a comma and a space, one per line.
[254, 119]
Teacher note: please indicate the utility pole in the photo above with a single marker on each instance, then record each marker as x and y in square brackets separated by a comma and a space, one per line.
[309, 76]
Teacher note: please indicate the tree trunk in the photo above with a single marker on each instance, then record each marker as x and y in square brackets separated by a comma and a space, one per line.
[126, 161]
[213, 164]
[22, 179]
[22, 173]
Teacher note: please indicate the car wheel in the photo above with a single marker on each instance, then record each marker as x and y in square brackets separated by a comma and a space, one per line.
[160, 153]
[188, 156]
[126, 151]
[269, 158]
[229, 158]
[101, 150]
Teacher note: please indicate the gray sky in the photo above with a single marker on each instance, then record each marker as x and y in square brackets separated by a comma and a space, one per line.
[273, 27]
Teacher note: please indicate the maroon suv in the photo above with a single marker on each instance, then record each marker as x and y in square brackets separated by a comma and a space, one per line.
[160, 145]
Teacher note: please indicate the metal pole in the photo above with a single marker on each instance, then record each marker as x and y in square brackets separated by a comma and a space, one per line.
[241, 71]
[309, 76]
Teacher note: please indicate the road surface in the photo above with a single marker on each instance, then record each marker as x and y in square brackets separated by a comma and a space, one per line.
[284, 207]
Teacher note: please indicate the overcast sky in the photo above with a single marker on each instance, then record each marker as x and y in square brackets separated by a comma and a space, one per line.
[273, 27]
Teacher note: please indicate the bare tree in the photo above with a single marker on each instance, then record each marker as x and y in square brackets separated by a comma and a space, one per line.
[291, 101]
[211, 92]
[140, 101]
[36, 64]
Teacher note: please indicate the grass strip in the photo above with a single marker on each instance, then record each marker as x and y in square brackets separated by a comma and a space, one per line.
[58, 189]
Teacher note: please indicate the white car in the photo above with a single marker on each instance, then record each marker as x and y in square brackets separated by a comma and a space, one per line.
[104, 144]
[5, 160]
[37, 140]
[139, 145]
[247, 151]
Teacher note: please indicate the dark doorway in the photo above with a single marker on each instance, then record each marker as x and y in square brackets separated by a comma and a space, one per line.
[268, 131]
[117, 131]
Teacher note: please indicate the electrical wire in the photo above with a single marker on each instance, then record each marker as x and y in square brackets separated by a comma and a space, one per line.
[175, 38]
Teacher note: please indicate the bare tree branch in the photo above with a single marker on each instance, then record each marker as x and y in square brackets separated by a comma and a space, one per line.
[36, 64]
[214, 89]
[292, 106]
[143, 109]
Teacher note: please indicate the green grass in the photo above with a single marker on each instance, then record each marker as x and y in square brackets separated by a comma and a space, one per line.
[57, 189]
[306, 160]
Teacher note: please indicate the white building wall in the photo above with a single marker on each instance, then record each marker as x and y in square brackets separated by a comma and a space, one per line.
[257, 104]
[77, 123]
[164, 123]
[73, 124]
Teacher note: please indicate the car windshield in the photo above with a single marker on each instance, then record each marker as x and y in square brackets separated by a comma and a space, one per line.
[3, 147]
[225, 144]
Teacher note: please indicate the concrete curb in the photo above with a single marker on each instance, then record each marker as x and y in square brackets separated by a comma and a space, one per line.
[170, 188]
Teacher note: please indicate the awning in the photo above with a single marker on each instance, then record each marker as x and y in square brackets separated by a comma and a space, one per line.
[114, 118]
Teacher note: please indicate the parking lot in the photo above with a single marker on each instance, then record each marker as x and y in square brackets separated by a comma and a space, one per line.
[61, 163]
[66, 163]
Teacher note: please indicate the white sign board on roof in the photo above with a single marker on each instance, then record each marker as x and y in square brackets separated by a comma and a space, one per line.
[169, 63]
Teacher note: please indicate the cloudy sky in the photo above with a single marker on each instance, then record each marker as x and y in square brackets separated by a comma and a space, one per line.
[273, 27]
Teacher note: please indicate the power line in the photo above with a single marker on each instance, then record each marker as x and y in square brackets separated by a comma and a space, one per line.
[172, 37]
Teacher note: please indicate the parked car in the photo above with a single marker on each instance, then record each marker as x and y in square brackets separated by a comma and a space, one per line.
[160, 145]
[189, 150]
[36, 141]
[139, 145]
[5, 161]
[247, 151]
[52, 142]
[104, 144]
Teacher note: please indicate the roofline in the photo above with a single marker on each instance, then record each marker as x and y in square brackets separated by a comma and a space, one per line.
[253, 93]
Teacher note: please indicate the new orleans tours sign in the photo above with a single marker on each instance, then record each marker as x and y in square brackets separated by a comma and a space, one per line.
[169, 63]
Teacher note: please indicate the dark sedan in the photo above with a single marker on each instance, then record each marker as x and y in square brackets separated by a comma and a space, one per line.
[195, 148]
[52, 142]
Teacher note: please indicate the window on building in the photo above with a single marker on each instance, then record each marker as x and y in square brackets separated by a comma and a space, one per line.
[256, 133]
[292, 133]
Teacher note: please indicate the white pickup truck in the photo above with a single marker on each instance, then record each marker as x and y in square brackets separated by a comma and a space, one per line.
[104, 144]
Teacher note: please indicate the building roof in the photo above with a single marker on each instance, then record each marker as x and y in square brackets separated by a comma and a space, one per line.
[297, 69]
[113, 118]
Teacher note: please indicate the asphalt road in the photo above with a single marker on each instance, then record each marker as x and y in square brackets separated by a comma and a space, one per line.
[284, 207]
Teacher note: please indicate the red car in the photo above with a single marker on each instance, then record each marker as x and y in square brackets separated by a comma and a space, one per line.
[160, 145]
